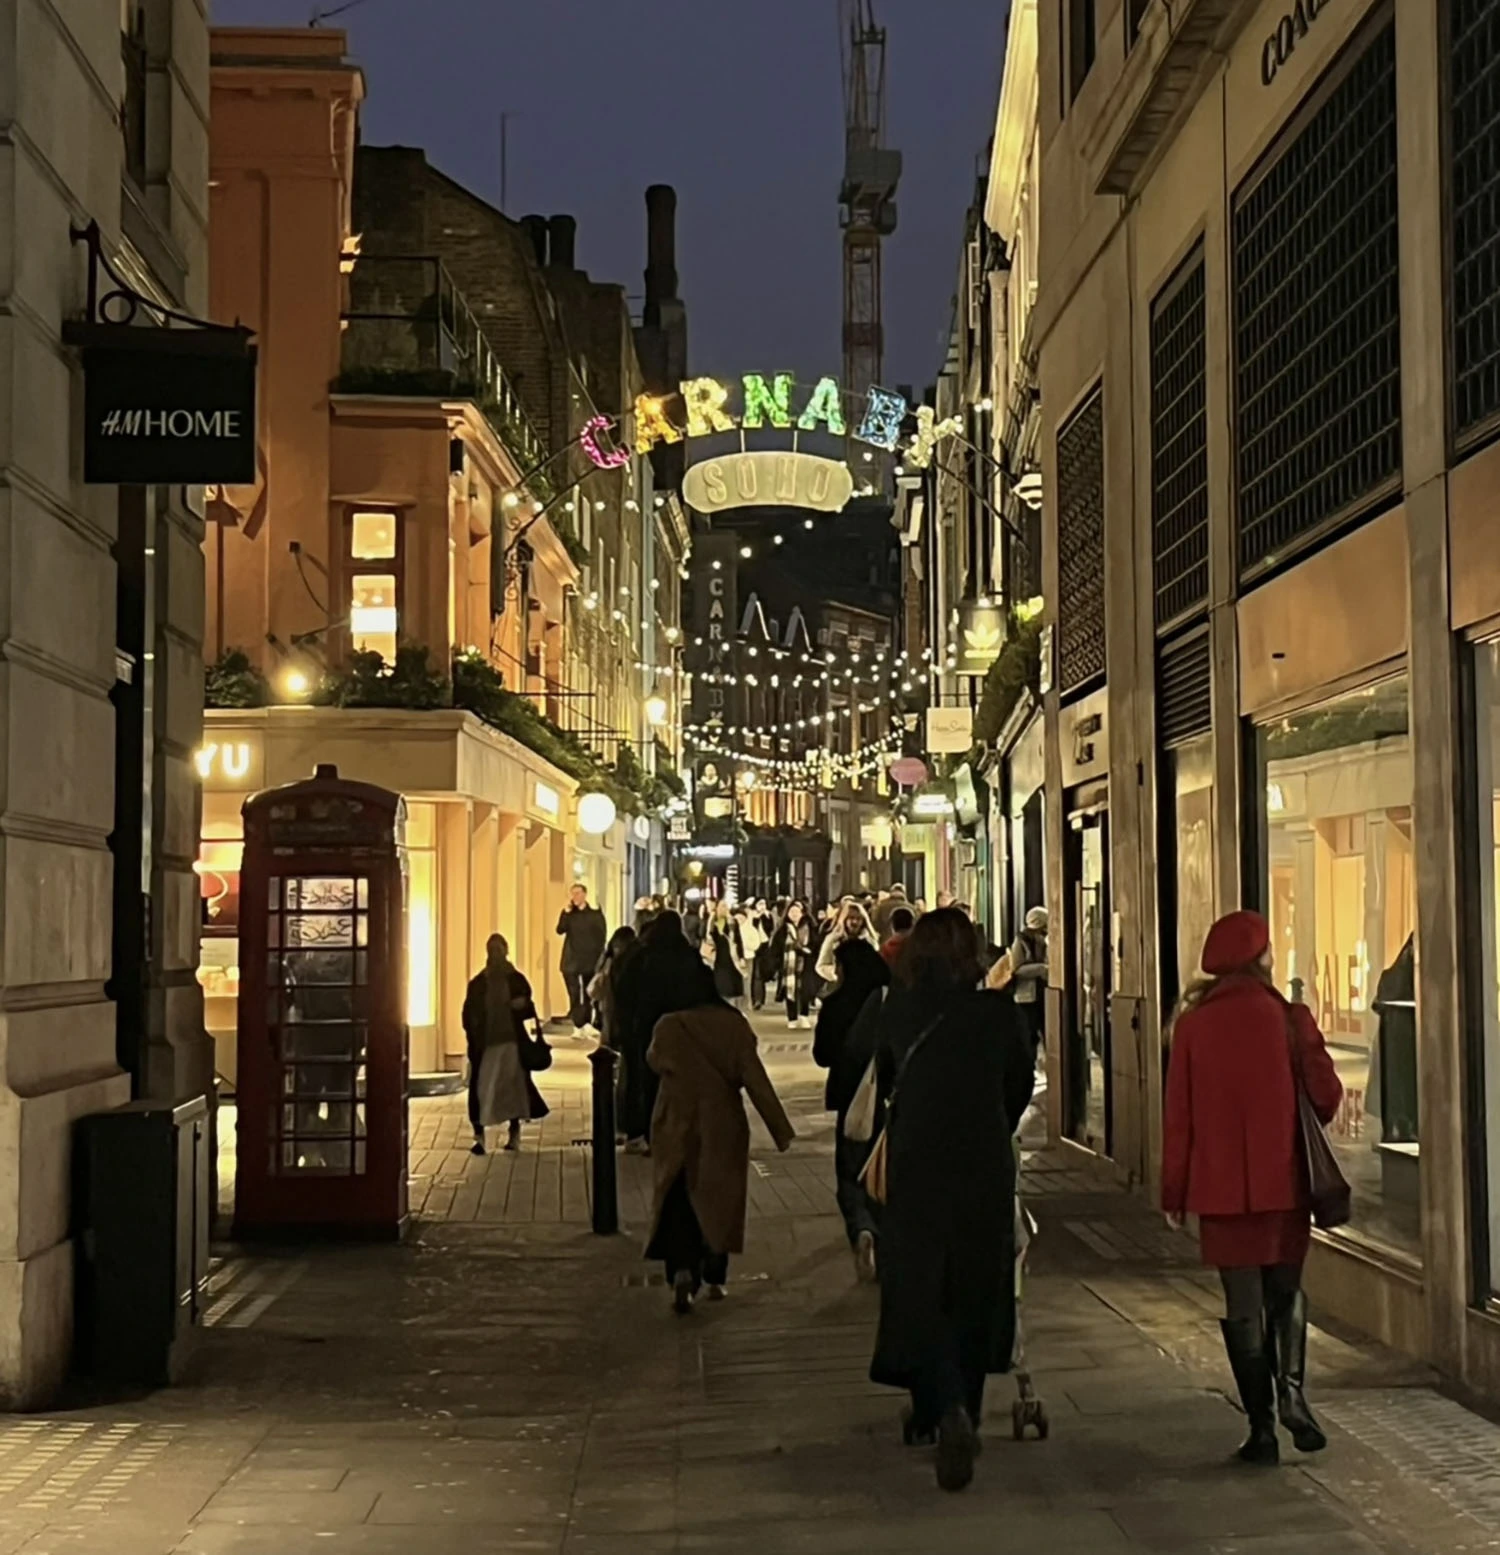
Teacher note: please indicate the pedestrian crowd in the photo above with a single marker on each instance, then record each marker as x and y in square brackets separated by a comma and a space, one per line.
[931, 1037]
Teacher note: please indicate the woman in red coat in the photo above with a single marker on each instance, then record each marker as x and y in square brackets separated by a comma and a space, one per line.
[1232, 1155]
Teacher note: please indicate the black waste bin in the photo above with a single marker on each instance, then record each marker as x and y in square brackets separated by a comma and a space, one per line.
[143, 1213]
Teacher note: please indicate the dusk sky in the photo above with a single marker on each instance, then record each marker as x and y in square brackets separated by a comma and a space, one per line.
[736, 102]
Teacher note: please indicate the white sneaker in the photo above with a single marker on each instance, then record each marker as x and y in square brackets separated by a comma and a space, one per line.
[717, 1293]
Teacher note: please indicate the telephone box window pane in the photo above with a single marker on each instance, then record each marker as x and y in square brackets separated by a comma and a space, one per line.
[319, 966]
[373, 537]
[316, 893]
[314, 1118]
[309, 1005]
[372, 614]
[319, 1155]
[320, 929]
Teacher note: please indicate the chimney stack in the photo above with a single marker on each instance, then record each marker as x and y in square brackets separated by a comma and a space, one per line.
[661, 247]
[562, 237]
[535, 228]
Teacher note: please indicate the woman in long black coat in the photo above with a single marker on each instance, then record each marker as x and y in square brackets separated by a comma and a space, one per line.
[663, 975]
[955, 1063]
[844, 1046]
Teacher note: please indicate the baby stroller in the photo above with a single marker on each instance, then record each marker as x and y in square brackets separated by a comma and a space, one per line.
[1028, 1411]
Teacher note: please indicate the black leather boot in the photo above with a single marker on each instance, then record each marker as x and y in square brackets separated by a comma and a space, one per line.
[1244, 1343]
[1286, 1345]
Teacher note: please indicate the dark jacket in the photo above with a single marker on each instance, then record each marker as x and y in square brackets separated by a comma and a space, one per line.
[476, 1022]
[844, 1042]
[474, 1017]
[1230, 1136]
[584, 937]
[661, 977]
[947, 1251]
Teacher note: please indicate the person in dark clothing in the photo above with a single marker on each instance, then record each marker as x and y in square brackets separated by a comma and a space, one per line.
[622, 944]
[955, 1065]
[663, 975]
[583, 933]
[792, 956]
[844, 1045]
[497, 1007]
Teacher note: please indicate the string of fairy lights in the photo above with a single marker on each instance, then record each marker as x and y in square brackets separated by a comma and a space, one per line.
[814, 769]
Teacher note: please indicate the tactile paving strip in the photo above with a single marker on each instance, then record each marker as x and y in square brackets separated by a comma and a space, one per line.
[75, 1466]
[1431, 1438]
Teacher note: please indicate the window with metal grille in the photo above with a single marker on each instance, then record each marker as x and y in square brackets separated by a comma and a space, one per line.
[1080, 546]
[1184, 689]
[1317, 315]
[1179, 444]
[1474, 214]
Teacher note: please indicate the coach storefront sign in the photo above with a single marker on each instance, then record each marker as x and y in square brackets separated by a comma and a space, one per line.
[168, 407]
[1290, 31]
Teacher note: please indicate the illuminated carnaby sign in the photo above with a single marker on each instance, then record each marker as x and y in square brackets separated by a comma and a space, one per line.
[765, 479]
[703, 407]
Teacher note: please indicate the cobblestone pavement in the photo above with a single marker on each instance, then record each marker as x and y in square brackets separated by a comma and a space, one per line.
[505, 1381]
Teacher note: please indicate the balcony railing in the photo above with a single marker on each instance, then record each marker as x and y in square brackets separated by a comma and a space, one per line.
[408, 330]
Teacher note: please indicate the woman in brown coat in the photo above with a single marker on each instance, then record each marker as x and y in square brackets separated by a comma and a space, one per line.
[700, 1141]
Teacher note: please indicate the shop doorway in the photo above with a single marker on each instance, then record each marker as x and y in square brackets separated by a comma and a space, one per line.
[1088, 1102]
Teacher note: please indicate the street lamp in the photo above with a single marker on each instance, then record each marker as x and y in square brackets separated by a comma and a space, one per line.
[656, 709]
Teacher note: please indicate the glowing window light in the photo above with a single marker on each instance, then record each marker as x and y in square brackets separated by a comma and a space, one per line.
[372, 614]
[421, 939]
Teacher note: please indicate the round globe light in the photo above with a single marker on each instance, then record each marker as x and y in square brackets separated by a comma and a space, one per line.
[596, 814]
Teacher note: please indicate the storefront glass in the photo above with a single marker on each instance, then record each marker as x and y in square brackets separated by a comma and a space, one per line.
[1192, 767]
[1486, 738]
[1341, 898]
[1087, 1056]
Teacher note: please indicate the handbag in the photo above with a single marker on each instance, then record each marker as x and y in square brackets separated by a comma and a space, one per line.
[875, 1178]
[859, 1121]
[536, 1053]
[1328, 1189]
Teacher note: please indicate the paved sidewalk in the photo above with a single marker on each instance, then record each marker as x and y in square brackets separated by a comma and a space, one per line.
[507, 1382]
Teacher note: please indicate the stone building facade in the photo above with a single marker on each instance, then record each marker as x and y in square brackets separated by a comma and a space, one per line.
[1265, 326]
[103, 118]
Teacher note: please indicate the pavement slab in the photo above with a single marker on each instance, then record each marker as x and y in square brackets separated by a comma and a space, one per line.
[506, 1381]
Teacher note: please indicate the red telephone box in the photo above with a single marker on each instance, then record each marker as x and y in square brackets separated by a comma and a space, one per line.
[322, 1036]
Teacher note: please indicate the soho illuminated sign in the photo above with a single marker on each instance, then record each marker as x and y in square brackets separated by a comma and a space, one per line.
[787, 480]
[229, 761]
[1280, 46]
[879, 417]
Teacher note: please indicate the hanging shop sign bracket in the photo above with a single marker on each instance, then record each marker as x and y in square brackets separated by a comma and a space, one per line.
[172, 405]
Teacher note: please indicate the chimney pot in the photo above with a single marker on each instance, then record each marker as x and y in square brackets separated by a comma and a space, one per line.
[535, 228]
[661, 244]
[562, 237]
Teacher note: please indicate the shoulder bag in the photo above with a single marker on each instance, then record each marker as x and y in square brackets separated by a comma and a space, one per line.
[875, 1176]
[1328, 1189]
[536, 1053]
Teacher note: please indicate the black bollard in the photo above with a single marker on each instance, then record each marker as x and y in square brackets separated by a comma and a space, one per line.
[606, 1193]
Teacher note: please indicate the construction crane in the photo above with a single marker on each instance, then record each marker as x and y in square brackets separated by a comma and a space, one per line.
[867, 197]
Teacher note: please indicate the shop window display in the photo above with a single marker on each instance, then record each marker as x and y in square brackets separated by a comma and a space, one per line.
[1341, 899]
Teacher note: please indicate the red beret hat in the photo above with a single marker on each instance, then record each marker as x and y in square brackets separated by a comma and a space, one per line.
[1234, 942]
